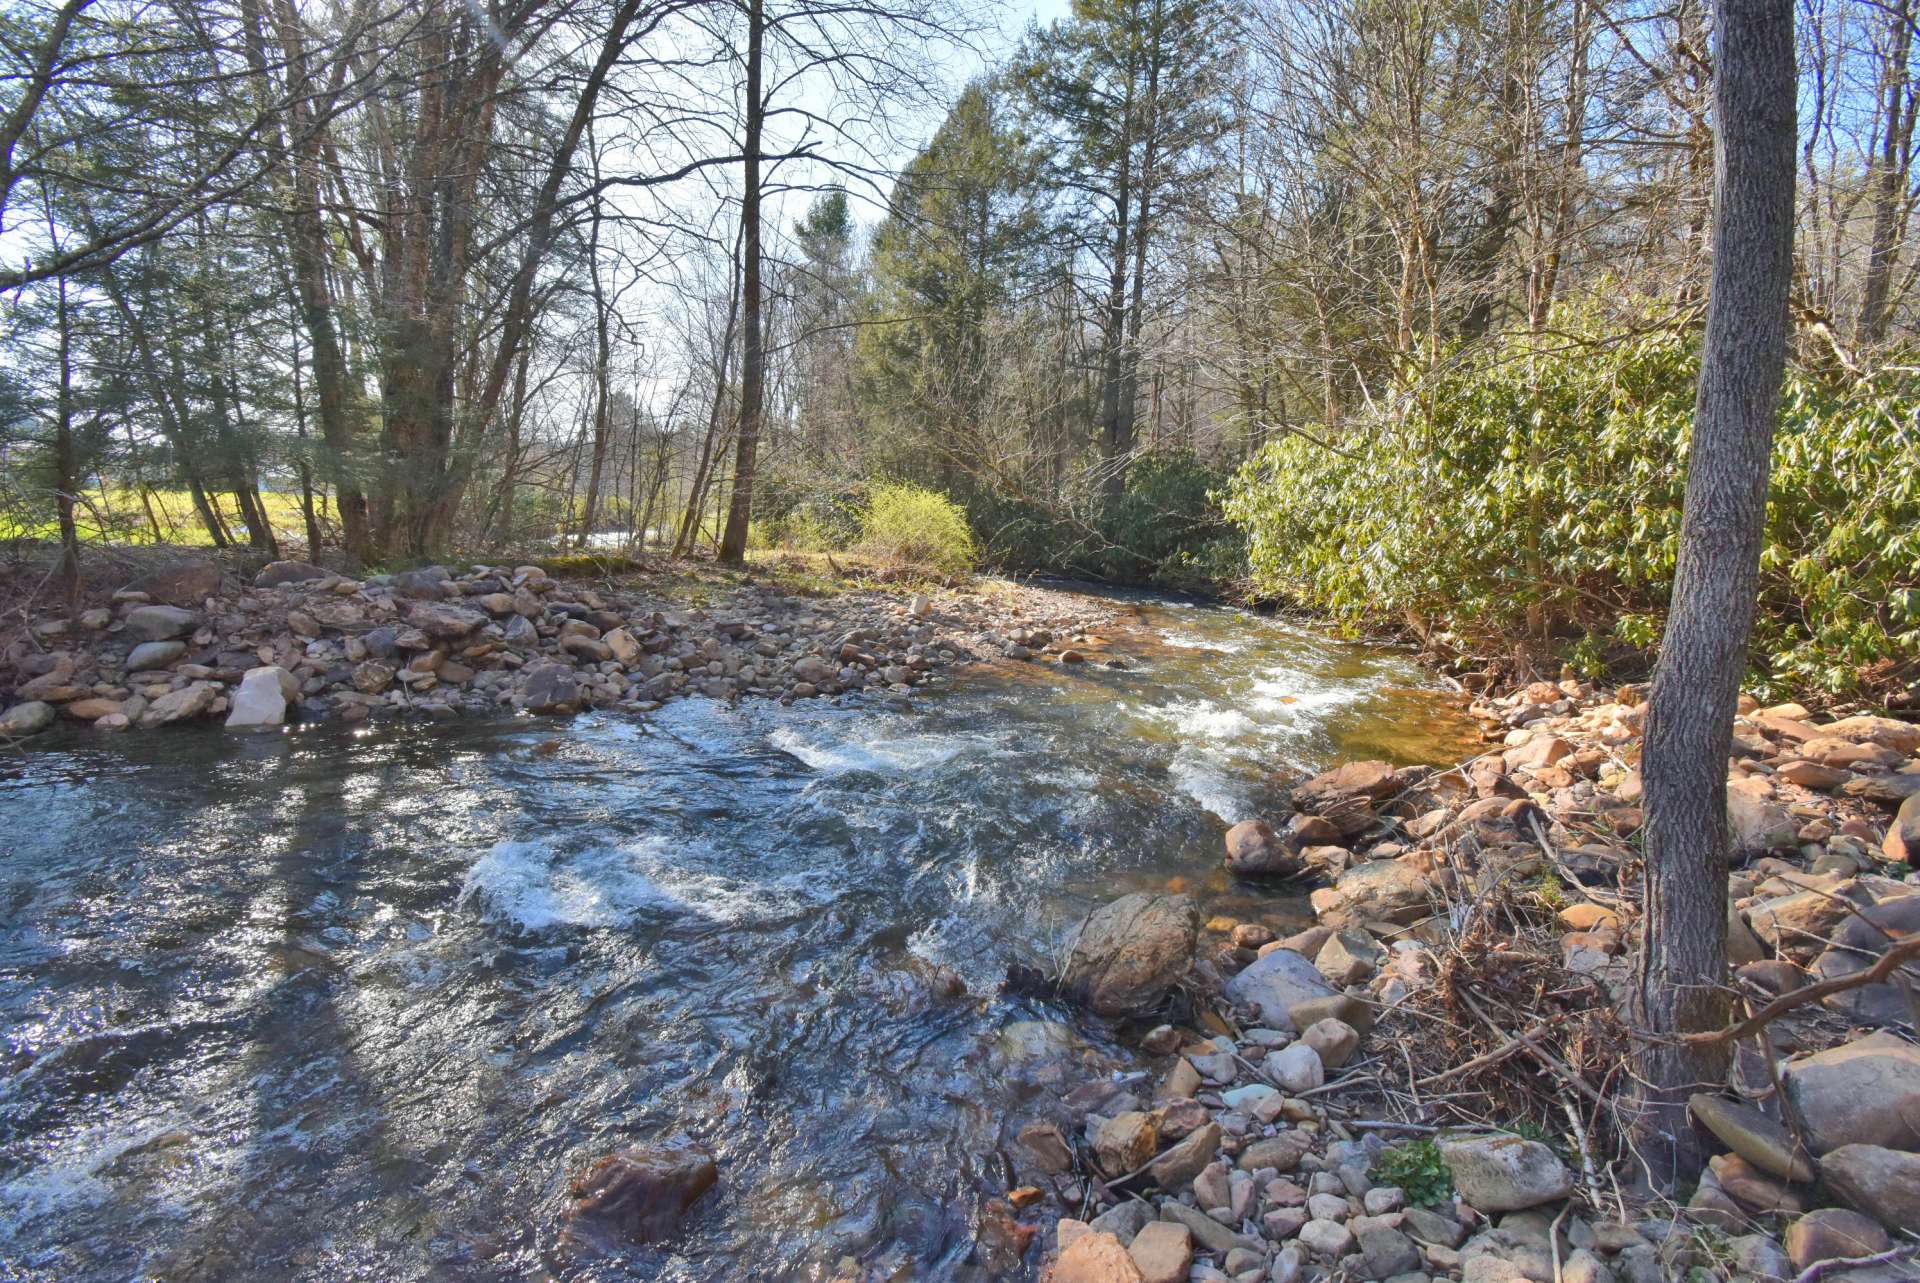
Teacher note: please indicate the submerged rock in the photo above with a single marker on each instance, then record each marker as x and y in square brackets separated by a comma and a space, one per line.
[1254, 850]
[1131, 952]
[638, 1195]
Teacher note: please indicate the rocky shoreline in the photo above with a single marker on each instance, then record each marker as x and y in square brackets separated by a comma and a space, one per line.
[1427, 1083]
[194, 641]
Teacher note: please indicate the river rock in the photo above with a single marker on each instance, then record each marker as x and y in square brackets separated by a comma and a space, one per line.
[276, 574]
[1866, 1092]
[1883, 1183]
[1125, 1142]
[550, 688]
[1163, 1251]
[1211, 1234]
[1902, 842]
[1334, 1040]
[160, 623]
[184, 583]
[1254, 850]
[638, 1194]
[1830, 1233]
[1757, 1138]
[1179, 1165]
[1096, 1258]
[1377, 891]
[1274, 983]
[1373, 780]
[1329, 1240]
[813, 670]
[178, 706]
[154, 655]
[1755, 821]
[1349, 957]
[1385, 1252]
[29, 718]
[1505, 1173]
[262, 697]
[1901, 737]
[1296, 1068]
[1124, 1220]
[441, 621]
[1131, 952]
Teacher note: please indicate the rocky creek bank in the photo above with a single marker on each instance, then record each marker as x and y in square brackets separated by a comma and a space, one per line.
[1428, 1082]
[192, 642]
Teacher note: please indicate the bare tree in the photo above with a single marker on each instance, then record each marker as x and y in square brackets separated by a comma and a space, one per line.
[1703, 656]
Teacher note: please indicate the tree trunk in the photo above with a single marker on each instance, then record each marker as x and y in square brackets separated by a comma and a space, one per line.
[1890, 172]
[1696, 685]
[753, 356]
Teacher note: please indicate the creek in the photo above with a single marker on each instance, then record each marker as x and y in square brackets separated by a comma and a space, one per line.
[352, 1003]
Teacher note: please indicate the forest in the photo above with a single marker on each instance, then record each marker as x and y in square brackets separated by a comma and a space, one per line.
[1166, 291]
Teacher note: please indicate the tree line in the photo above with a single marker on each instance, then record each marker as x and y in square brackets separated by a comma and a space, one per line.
[697, 272]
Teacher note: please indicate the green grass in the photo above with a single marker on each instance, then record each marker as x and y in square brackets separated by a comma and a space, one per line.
[118, 516]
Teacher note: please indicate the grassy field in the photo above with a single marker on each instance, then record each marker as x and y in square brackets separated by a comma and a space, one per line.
[117, 515]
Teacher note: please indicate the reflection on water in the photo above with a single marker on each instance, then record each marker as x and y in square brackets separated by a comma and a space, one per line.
[351, 1004]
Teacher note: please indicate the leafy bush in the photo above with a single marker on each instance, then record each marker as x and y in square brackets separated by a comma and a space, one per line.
[917, 527]
[1417, 1168]
[1165, 525]
[1536, 494]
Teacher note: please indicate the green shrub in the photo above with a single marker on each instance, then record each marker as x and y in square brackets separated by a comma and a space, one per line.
[1417, 1168]
[1537, 494]
[1165, 526]
[917, 527]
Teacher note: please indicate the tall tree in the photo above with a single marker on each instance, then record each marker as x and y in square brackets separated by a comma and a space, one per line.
[753, 355]
[1704, 653]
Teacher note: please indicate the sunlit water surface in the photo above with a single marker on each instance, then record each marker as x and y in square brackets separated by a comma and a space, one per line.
[352, 1005]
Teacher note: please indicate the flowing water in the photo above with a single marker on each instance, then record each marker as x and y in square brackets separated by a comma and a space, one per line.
[352, 1004]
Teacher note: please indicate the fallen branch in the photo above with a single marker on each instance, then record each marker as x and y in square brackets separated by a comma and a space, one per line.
[1511, 1047]
[1813, 1272]
[1890, 961]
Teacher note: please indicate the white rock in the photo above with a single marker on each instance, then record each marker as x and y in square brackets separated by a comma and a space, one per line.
[1296, 1068]
[261, 699]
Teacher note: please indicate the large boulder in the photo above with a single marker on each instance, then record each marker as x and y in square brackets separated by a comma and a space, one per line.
[1377, 891]
[1131, 952]
[637, 1195]
[262, 697]
[1881, 1182]
[1866, 1092]
[1505, 1173]
[1254, 850]
[1275, 984]
[184, 583]
[159, 623]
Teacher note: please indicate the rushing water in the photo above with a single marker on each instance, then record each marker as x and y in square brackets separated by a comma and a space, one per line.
[338, 1004]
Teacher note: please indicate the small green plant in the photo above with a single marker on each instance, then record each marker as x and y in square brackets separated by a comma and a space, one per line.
[918, 527]
[1549, 890]
[1527, 1129]
[1417, 1168]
